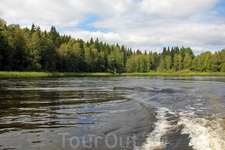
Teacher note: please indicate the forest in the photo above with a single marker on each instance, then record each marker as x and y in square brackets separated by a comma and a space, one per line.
[35, 50]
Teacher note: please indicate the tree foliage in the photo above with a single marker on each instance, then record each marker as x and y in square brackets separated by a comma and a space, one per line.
[35, 50]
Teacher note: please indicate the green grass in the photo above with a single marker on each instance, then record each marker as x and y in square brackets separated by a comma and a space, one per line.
[16, 73]
[80, 74]
[179, 73]
[36, 74]
[145, 74]
[206, 73]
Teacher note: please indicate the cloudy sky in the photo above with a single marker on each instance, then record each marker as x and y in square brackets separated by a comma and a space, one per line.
[139, 24]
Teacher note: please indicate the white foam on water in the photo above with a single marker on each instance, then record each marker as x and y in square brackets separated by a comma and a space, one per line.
[162, 126]
[205, 133]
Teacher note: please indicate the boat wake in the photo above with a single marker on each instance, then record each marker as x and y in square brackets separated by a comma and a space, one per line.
[181, 130]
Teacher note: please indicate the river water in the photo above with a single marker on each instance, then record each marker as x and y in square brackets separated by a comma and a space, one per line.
[128, 112]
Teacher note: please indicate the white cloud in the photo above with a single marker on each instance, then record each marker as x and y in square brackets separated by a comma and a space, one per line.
[67, 13]
[176, 8]
[159, 32]
[146, 24]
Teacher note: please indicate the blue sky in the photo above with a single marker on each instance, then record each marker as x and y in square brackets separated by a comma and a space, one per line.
[139, 24]
[89, 18]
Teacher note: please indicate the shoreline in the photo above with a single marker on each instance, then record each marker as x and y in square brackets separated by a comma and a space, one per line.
[45, 74]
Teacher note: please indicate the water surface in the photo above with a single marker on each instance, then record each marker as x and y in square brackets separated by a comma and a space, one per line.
[112, 113]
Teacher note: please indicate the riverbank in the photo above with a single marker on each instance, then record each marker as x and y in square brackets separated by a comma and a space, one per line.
[176, 74]
[40, 74]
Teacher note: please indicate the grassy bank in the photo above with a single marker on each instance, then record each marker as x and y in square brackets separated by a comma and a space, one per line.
[80, 74]
[15, 73]
[176, 74]
[36, 74]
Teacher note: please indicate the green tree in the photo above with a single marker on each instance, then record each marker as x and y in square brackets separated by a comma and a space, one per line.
[34, 50]
[183, 52]
[119, 60]
[147, 63]
[91, 41]
[163, 55]
[19, 56]
[142, 65]
[88, 58]
[177, 51]
[201, 64]
[180, 58]
[189, 51]
[130, 65]
[195, 64]
[176, 62]
[101, 61]
[112, 61]
[162, 66]
[215, 62]
[168, 62]
[137, 59]
[94, 54]
[124, 51]
[33, 29]
[3, 44]
[73, 57]
[153, 62]
[223, 67]
[222, 59]
[187, 62]
[208, 61]
[34, 53]
[8, 52]
[55, 37]
[62, 54]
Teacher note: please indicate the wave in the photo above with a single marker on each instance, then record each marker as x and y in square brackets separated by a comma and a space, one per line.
[175, 130]
[155, 139]
[205, 133]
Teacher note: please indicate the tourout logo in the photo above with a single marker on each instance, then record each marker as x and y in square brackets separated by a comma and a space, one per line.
[93, 142]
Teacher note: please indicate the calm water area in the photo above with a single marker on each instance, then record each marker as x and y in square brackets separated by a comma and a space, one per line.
[127, 112]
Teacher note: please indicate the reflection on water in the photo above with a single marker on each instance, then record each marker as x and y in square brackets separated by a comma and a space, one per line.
[112, 113]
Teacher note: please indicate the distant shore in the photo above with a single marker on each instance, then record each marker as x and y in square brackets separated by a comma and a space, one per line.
[40, 74]
[176, 74]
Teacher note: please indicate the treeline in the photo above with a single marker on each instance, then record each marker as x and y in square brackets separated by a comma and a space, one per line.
[35, 50]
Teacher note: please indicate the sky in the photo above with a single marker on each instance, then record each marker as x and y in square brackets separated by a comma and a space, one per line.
[139, 24]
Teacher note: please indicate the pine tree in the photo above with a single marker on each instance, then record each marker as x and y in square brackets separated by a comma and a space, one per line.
[164, 53]
[91, 41]
[182, 52]
[33, 29]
